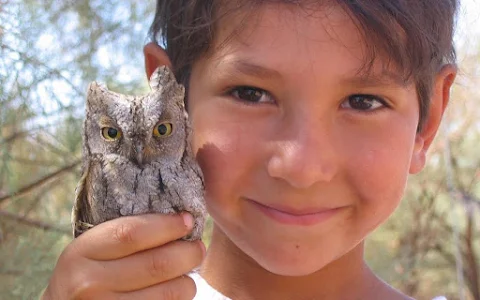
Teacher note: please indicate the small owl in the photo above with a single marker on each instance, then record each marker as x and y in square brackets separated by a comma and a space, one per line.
[137, 157]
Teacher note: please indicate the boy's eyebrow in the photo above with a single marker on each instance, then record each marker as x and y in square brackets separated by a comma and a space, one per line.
[364, 80]
[376, 80]
[252, 69]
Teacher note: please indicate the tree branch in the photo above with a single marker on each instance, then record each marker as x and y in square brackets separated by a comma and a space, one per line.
[27, 189]
[25, 57]
[11, 272]
[472, 266]
[20, 134]
[33, 223]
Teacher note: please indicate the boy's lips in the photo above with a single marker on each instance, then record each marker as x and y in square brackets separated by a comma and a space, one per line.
[296, 216]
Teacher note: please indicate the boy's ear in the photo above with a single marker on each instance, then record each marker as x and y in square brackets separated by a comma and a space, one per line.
[438, 103]
[155, 56]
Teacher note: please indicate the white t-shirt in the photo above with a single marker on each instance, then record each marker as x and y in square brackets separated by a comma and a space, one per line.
[204, 290]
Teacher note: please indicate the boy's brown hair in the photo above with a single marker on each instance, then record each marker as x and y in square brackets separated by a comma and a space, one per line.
[416, 35]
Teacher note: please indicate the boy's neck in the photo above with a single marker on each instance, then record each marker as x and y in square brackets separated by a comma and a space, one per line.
[230, 271]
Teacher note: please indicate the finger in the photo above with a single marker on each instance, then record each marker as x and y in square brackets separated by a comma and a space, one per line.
[152, 266]
[178, 288]
[126, 235]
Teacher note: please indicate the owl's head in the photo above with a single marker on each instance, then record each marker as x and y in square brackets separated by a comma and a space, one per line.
[142, 129]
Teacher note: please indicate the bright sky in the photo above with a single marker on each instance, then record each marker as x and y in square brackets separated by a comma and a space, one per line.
[468, 26]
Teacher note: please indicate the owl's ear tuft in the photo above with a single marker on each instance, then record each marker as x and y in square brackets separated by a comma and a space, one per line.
[156, 78]
[97, 95]
[95, 90]
[162, 77]
[93, 94]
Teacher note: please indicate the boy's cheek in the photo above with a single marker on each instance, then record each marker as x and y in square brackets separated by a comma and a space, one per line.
[211, 160]
[218, 154]
[380, 163]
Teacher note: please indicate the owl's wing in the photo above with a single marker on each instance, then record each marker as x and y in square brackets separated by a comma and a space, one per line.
[82, 214]
[80, 203]
[194, 197]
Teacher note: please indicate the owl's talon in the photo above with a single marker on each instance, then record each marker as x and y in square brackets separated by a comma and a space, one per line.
[82, 226]
[85, 225]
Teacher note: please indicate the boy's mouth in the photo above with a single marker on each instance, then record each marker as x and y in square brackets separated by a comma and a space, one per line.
[295, 216]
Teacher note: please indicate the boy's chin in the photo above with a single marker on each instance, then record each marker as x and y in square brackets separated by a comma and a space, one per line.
[286, 263]
[297, 270]
[288, 268]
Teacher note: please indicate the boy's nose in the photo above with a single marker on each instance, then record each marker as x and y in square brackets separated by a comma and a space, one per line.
[307, 156]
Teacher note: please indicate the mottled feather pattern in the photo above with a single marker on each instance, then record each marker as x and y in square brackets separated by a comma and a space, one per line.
[138, 157]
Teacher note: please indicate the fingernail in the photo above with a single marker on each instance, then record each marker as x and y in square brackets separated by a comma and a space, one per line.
[188, 220]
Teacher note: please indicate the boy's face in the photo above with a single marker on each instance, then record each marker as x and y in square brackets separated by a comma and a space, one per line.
[303, 155]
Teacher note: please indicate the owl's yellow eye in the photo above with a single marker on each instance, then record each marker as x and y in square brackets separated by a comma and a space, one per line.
[162, 129]
[111, 134]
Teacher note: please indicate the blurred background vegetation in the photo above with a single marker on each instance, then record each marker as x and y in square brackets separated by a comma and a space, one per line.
[49, 52]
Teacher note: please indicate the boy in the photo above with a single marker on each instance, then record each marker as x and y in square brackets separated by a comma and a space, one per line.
[308, 117]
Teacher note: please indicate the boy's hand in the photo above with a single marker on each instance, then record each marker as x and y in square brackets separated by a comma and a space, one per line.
[134, 257]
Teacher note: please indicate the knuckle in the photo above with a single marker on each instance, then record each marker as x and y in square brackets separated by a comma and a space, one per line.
[124, 233]
[159, 266]
[84, 289]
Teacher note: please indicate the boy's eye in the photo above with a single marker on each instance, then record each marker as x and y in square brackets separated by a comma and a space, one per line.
[251, 94]
[363, 102]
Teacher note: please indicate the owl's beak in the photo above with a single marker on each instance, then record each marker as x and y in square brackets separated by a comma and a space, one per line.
[139, 153]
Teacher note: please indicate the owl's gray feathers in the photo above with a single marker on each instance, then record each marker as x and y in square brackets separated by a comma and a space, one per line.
[137, 156]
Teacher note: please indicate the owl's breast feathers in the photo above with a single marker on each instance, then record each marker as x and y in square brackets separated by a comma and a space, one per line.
[112, 186]
[185, 180]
